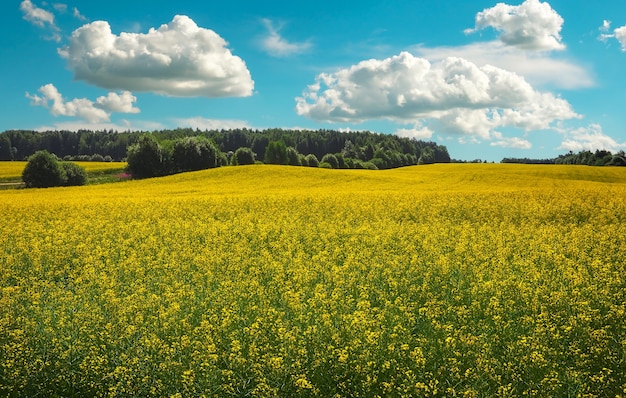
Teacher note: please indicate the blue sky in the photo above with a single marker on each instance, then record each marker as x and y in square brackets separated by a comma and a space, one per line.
[488, 80]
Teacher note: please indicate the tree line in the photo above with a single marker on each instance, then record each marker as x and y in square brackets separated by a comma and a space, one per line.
[382, 150]
[589, 158]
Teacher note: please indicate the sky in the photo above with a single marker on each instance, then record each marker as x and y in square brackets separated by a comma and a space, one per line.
[488, 80]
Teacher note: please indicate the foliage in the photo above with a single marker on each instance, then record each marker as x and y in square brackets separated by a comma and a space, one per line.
[145, 158]
[194, 153]
[331, 160]
[83, 144]
[276, 153]
[243, 156]
[311, 160]
[597, 158]
[293, 157]
[75, 175]
[479, 280]
[43, 170]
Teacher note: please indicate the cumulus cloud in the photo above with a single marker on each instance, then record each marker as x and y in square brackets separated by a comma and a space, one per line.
[177, 59]
[277, 46]
[41, 18]
[538, 68]
[455, 94]
[93, 112]
[533, 25]
[590, 138]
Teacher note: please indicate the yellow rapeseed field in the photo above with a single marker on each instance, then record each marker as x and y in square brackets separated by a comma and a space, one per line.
[13, 170]
[470, 280]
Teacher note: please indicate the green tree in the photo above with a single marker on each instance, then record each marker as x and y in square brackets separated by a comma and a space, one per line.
[276, 153]
[43, 170]
[145, 158]
[331, 160]
[75, 175]
[292, 157]
[311, 160]
[194, 153]
[427, 156]
[243, 156]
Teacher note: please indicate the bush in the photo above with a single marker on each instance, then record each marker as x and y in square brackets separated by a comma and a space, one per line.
[330, 159]
[145, 158]
[311, 160]
[194, 153]
[75, 175]
[325, 165]
[43, 170]
[242, 156]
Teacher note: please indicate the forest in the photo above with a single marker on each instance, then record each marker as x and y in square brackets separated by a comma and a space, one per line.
[382, 150]
[597, 158]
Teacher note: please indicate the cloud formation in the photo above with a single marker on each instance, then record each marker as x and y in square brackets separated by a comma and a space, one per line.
[277, 46]
[619, 33]
[93, 112]
[538, 68]
[533, 25]
[177, 59]
[457, 95]
[590, 138]
[41, 18]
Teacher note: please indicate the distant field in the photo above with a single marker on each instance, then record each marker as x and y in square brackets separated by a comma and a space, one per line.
[12, 171]
[471, 280]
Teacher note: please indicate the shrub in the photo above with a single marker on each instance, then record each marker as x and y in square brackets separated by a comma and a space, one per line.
[325, 165]
[311, 160]
[43, 170]
[194, 153]
[331, 160]
[75, 175]
[145, 158]
[242, 156]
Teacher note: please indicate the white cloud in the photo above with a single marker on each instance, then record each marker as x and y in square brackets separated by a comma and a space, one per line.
[533, 25]
[510, 142]
[538, 68]
[41, 18]
[38, 16]
[454, 94]
[590, 138]
[60, 7]
[78, 15]
[93, 112]
[418, 132]
[619, 33]
[211, 124]
[277, 46]
[177, 59]
[606, 25]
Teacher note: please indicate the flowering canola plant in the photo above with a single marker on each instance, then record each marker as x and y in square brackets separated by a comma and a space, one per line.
[440, 280]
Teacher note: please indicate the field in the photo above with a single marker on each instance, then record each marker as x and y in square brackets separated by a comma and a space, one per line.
[466, 280]
[97, 172]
